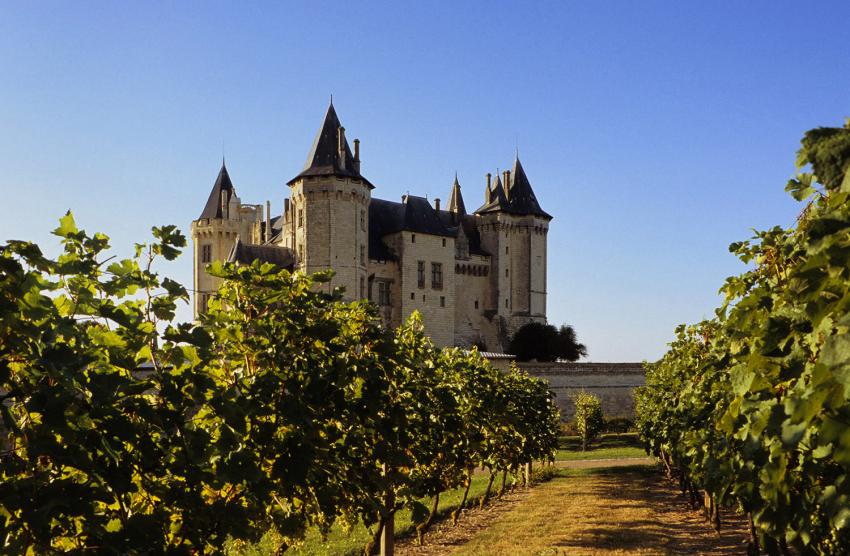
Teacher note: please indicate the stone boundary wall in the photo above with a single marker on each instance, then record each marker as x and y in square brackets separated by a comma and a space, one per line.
[614, 383]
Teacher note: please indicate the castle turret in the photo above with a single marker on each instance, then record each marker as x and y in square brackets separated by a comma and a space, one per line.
[329, 210]
[513, 230]
[456, 206]
[213, 235]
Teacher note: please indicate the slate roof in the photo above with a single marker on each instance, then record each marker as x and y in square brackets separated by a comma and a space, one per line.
[456, 199]
[213, 207]
[415, 215]
[522, 198]
[467, 222]
[275, 254]
[324, 158]
[498, 201]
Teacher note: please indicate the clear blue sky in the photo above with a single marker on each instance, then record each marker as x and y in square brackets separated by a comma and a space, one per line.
[656, 133]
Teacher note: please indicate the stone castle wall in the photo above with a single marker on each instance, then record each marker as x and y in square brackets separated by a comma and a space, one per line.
[614, 383]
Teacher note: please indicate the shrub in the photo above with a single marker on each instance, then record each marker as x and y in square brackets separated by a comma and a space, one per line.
[589, 421]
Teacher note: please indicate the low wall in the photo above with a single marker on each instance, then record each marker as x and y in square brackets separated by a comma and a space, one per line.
[613, 383]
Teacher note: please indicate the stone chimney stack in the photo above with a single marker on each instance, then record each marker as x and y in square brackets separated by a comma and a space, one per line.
[507, 185]
[487, 193]
[268, 220]
[357, 155]
[437, 205]
[224, 205]
[341, 137]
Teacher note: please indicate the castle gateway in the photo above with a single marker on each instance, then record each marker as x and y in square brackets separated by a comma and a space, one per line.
[475, 278]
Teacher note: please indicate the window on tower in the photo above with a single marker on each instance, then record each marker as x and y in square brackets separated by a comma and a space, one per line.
[362, 287]
[363, 255]
[206, 253]
[420, 273]
[300, 217]
[362, 219]
[383, 293]
[437, 275]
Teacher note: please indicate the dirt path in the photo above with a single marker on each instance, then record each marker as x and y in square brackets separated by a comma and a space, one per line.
[592, 463]
[626, 510]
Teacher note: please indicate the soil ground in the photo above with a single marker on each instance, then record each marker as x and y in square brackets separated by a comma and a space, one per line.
[611, 510]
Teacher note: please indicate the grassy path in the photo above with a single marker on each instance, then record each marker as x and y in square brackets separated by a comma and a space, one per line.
[604, 511]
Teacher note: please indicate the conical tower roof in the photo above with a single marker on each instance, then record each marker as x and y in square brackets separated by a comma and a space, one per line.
[222, 183]
[456, 199]
[325, 158]
[522, 198]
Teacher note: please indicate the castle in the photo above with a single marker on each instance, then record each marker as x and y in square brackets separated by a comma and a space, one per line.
[475, 278]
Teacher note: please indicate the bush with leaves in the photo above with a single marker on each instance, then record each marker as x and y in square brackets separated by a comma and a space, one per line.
[753, 407]
[588, 417]
[102, 456]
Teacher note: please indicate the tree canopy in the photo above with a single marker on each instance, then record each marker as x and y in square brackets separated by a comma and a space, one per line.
[544, 342]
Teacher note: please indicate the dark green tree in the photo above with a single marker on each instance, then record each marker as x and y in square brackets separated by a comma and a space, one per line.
[544, 342]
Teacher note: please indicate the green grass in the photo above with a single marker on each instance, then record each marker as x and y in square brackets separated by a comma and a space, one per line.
[342, 543]
[609, 446]
[351, 543]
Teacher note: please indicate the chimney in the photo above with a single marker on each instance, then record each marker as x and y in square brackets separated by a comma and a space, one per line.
[507, 184]
[268, 220]
[341, 137]
[437, 205]
[357, 155]
[487, 193]
[224, 204]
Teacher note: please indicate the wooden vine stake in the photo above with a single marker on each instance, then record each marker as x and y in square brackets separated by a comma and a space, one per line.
[387, 538]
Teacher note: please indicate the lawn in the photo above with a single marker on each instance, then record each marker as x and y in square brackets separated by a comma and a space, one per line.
[609, 446]
[342, 543]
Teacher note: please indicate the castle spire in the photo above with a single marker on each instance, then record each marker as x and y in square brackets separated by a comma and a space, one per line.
[522, 198]
[220, 195]
[330, 154]
[456, 199]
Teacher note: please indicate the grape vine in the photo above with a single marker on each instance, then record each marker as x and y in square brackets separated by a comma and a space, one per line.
[752, 408]
[282, 407]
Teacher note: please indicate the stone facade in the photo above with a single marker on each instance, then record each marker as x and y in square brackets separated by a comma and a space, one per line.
[613, 383]
[475, 278]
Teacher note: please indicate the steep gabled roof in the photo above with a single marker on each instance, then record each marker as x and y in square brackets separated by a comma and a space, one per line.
[213, 207]
[522, 198]
[324, 158]
[246, 254]
[497, 201]
[466, 224]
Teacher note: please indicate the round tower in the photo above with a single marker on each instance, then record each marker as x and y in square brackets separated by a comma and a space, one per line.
[329, 204]
[213, 235]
